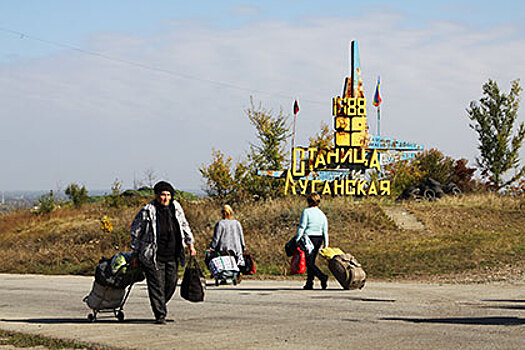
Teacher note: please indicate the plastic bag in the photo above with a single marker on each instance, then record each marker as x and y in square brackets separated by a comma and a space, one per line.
[249, 265]
[118, 263]
[221, 263]
[307, 244]
[298, 263]
[329, 252]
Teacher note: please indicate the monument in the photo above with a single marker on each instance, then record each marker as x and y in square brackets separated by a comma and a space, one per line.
[354, 166]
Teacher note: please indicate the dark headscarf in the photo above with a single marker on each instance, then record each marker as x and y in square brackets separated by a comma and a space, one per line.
[162, 186]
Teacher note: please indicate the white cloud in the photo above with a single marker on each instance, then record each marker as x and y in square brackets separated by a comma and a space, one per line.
[245, 10]
[86, 118]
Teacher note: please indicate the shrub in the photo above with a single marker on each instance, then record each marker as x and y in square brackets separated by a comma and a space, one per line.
[114, 200]
[430, 164]
[47, 203]
[78, 195]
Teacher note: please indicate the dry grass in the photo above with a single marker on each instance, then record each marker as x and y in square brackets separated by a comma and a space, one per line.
[9, 339]
[469, 233]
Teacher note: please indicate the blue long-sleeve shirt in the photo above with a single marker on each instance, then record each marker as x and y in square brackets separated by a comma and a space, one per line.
[313, 223]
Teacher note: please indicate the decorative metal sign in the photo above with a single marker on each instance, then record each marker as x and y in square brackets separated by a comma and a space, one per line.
[345, 168]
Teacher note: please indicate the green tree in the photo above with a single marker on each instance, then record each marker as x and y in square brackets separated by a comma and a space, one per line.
[434, 164]
[430, 164]
[222, 180]
[226, 180]
[493, 119]
[270, 153]
[78, 195]
[324, 139]
[272, 131]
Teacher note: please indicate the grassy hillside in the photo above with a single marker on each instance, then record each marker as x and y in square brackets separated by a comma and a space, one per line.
[471, 234]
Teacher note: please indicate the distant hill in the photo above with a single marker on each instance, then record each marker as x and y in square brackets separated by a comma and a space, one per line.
[10, 200]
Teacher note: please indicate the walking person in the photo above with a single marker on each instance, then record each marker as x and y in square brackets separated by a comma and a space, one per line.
[159, 234]
[228, 236]
[314, 225]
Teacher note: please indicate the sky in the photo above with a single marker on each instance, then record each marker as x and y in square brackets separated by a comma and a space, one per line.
[96, 91]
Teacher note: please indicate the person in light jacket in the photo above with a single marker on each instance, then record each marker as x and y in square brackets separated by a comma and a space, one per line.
[159, 234]
[228, 235]
[314, 225]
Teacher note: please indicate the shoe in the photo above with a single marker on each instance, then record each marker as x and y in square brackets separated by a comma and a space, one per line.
[324, 282]
[308, 287]
[236, 280]
[161, 320]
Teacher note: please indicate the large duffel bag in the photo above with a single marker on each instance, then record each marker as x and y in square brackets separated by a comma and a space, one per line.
[348, 271]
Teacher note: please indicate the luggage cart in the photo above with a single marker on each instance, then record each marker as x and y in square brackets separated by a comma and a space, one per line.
[107, 299]
[109, 294]
[224, 270]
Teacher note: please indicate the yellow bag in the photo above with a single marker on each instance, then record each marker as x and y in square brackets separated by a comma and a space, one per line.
[329, 253]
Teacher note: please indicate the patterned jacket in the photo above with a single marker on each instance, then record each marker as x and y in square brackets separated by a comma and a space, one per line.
[144, 233]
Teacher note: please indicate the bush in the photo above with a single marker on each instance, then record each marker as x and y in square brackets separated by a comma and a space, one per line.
[78, 195]
[430, 164]
[47, 203]
[114, 200]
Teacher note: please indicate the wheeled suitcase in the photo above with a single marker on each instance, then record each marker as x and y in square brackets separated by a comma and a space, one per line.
[347, 271]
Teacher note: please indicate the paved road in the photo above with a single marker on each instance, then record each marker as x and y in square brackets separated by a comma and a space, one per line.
[278, 314]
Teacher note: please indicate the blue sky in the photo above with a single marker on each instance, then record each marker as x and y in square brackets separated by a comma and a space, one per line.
[97, 90]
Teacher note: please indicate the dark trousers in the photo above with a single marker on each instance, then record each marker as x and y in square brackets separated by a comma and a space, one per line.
[161, 286]
[312, 270]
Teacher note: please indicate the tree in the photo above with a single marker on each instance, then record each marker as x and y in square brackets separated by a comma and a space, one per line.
[324, 140]
[434, 164]
[150, 177]
[232, 182]
[222, 180]
[269, 154]
[272, 133]
[78, 195]
[430, 164]
[493, 119]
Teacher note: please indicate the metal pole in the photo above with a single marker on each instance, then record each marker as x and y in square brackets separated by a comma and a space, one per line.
[378, 120]
[293, 141]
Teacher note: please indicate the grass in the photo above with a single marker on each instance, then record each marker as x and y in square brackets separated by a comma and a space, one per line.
[25, 340]
[462, 234]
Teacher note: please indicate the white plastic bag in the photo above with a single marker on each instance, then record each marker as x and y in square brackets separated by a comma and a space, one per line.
[221, 263]
[308, 245]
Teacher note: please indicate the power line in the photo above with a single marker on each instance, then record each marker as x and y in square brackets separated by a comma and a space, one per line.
[147, 67]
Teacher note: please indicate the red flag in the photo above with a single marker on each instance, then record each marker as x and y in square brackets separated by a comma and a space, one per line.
[295, 107]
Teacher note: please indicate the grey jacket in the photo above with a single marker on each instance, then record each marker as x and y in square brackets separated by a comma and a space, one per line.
[144, 233]
[228, 235]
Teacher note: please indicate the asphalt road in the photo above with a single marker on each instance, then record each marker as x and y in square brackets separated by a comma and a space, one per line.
[278, 314]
